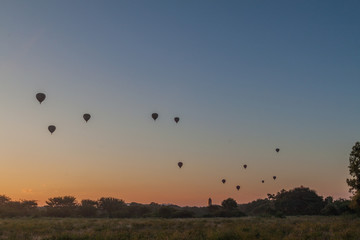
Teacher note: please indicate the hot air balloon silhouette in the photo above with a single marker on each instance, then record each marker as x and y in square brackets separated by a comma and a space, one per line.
[40, 97]
[51, 129]
[245, 166]
[262, 181]
[274, 177]
[223, 181]
[154, 116]
[176, 119]
[238, 187]
[180, 164]
[86, 117]
[277, 149]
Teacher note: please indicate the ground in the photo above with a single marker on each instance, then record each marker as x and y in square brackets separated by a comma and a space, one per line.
[291, 228]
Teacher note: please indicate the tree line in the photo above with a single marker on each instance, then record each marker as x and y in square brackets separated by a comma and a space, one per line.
[297, 201]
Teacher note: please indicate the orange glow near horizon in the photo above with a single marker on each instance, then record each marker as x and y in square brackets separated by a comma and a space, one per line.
[190, 186]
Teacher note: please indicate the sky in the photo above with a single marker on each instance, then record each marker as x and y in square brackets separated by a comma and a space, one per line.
[245, 77]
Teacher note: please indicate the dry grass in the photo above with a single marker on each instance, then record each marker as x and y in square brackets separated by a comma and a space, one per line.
[290, 228]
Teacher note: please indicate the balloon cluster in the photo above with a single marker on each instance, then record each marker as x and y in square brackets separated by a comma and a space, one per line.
[156, 115]
[176, 119]
[41, 97]
[245, 166]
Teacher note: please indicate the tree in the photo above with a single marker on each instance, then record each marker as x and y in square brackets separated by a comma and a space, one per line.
[4, 199]
[67, 201]
[138, 210]
[10, 208]
[355, 202]
[111, 206]
[354, 169]
[88, 208]
[258, 207]
[166, 212]
[298, 201]
[229, 204]
[29, 204]
[329, 200]
[338, 207]
[354, 181]
[61, 206]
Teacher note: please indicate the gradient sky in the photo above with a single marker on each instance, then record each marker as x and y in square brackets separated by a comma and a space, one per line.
[245, 77]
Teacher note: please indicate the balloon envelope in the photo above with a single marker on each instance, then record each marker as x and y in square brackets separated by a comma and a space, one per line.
[86, 117]
[277, 150]
[154, 116]
[238, 187]
[262, 181]
[52, 129]
[274, 177]
[223, 181]
[245, 166]
[40, 97]
[176, 119]
[180, 164]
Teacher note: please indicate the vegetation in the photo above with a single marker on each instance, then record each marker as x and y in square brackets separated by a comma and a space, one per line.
[61, 206]
[297, 201]
[291, 228]
[229, 204]
[354, 181]
[10, 208]
[354, 169]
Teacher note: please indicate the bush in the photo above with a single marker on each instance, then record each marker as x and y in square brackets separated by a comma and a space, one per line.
[166, 212]
[330, 209]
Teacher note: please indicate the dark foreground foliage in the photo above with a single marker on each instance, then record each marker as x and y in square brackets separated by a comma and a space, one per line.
[291, 228]
[298, 201]
[111, 208]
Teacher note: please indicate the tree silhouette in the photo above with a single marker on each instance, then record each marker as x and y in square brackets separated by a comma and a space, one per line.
[354, 181]
[229, 204]
[67, 201]
[4, 199]
[298, 201]
[354, 169]
[61, 206]
[88, 208]
[111, 206]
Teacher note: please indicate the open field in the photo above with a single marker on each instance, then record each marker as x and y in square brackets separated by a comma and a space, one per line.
[305, 227]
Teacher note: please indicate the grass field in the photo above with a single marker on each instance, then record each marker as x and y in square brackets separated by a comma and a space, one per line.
[305, 227]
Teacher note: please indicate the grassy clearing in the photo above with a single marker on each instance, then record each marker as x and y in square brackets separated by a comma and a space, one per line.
[291, 228]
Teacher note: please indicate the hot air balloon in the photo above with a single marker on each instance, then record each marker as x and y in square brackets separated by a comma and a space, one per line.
[40, 97]
[238, 187]
[223, 181]
[277, 149]
[274, 177]
[180, 164]
[52, 129]
[262, 181]
[245, 166]
[176, 119]
[86, 117]
[154, 116]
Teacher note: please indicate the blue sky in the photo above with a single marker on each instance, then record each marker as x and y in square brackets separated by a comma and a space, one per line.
[244, 76]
